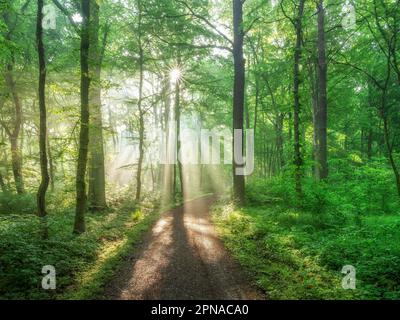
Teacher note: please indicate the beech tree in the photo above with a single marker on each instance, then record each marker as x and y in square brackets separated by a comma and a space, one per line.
[322, 112]
[238, 92]
[97, 182]
[41, 196]
[81, 197]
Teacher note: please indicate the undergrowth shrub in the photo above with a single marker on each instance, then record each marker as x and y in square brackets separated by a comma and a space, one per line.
[367, 189]
[350, 191]
[11, 203]
[352, 218]
[23, 253]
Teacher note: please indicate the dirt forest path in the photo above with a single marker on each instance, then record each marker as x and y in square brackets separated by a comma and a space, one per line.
[181, 257]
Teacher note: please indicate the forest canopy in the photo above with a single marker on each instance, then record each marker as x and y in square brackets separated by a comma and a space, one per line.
[102, 100]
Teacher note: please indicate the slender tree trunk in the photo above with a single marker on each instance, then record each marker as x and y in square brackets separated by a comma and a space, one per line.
[113, 131]
[141, 115]
[298, 160]
[153, 178]
[97, 188]
[16, 158]
[256, 107]
[2, 184]
[369, 144]
[14, 132]
[362, 149]
[279, 139]
[238, 93]
[269, 159]
[264, 146]
[369, 134]
[314, 104]
[178, 164]
[44, 184]
[51, 163]
[3, 162]
[322, 115]
[81, 199]
[290, 131]
[391, 157]
[168, 187]
[163, 127]
[16, 165]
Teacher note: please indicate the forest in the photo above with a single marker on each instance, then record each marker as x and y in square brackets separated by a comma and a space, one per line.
[151, 148]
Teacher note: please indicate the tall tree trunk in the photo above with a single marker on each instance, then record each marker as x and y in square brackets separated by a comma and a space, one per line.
[279, 139]
[97, 189]
[391, 156]
[140, 109]
[2, 184]
[370, 134]
[112, 126]
[369, 144]
[16, 165]
[14, 132]
[44, 184]
[256, 107]
[322, 114]
[16, 158]
[386, 135]
[167, 167]
[314, 109]
[265, 153]
[178, 164]
[51, 163]
[238, 93]
[3, 162]
[81, 199]
[298, 160]
[290, 131]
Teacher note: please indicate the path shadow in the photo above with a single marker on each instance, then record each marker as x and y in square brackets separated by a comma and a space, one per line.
[180, 259]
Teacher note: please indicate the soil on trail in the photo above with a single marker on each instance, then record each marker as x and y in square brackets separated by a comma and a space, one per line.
[182, 258]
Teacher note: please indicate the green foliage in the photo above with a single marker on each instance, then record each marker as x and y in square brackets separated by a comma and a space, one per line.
[17, 204]
[83, 263]
[264, 245]
[281, 189]
[374, 249]
[137, 215]
[296, 249]
[367, 189]
[294, 244]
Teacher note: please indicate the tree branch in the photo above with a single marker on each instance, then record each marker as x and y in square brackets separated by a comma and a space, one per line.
[184, 44]
[205, 21]
[371, 77]
[251, 25]
[6, 128]
[67, 14]
[286, 15]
